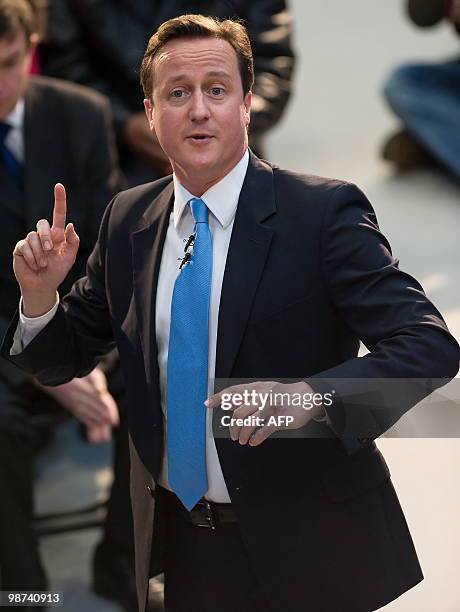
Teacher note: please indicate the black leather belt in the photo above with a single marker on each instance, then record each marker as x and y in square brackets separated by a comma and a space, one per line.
[206, 514]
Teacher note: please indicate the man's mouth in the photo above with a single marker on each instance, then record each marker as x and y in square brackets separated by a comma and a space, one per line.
[200, 138]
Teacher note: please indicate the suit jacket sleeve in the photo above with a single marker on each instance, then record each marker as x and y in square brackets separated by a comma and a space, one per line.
[411, 350]
[79, 334]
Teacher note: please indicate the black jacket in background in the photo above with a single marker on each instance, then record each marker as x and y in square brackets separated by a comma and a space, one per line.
[100, 43]
[68, 138]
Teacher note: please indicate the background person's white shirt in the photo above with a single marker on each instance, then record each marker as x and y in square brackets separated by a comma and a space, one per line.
[14, 140]
[221, 200]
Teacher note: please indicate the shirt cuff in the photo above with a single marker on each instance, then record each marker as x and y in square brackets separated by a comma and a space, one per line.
[29, 327]
[324, 418]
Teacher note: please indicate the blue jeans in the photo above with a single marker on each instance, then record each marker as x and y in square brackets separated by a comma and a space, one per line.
[427, 99]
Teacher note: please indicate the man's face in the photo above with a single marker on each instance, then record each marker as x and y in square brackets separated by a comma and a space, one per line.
[15, 59]
[199, 113]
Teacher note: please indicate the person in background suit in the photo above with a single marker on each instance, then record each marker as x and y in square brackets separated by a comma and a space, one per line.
[52, 129]
[281, 276]
[81, 43]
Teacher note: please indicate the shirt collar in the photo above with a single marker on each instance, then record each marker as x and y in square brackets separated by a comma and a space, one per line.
[16, 117]
[221, 199]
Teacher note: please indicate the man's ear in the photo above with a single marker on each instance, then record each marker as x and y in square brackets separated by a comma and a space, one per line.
[32, 45]
[34, 39]
[150, 112]
[247, 106]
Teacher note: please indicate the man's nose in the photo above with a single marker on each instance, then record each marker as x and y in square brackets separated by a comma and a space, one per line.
[199, 110]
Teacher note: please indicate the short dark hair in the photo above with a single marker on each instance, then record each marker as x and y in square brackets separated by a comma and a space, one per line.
[200, 26]
[17, 16]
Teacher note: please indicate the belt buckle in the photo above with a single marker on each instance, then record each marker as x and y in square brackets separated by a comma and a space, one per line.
[203, 512]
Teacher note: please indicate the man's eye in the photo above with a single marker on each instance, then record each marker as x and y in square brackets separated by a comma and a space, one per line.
[217, 91]
[177, 93]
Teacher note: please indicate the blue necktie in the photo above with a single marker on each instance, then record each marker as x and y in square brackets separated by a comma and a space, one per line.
[12, 165]
[187, 372]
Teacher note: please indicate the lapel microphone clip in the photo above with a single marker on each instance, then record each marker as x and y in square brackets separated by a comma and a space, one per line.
[188, 245]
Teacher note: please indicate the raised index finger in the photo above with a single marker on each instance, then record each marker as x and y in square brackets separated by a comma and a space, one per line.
[60, 207]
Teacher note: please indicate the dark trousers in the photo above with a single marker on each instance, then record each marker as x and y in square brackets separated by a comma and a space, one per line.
[20, 565]
[23, 410]
[204, 570]
[118, 535]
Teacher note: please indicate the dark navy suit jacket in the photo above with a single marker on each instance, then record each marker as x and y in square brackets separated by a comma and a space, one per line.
[308, 275]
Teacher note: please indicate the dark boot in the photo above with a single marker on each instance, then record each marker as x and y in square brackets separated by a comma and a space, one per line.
[406, 153]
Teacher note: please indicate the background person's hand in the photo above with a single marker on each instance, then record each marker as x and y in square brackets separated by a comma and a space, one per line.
[43, 259]
[454, 12]
[143, 142]
[99, 433]
[286, 406]
[89, 400]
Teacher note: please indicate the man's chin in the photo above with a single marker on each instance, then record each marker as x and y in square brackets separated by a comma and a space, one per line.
[202, 163]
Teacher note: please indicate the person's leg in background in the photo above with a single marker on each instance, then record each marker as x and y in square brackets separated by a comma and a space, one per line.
[21, 568]
[113, 561]
[426, 97]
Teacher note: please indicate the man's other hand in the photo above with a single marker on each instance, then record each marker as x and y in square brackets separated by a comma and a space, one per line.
[271, 406]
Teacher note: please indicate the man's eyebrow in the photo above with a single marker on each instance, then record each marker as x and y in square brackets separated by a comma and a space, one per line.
[218, 73]
[212, 73]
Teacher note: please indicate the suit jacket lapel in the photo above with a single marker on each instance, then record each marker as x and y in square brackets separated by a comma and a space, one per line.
[40, 170]
[247, 253]
[10, 196]
[147, 246]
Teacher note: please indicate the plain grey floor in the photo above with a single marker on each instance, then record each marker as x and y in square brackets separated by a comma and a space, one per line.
[334, 126]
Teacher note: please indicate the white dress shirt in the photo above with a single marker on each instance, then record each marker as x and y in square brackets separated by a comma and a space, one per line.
[221, 200]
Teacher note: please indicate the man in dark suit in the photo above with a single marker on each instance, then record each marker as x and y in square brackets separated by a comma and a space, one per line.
[49, 129]
[282, 274]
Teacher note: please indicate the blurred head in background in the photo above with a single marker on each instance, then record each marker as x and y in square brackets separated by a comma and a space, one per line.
[18, 39]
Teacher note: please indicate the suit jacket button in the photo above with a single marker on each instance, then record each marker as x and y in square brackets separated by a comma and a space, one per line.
[151, 491]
